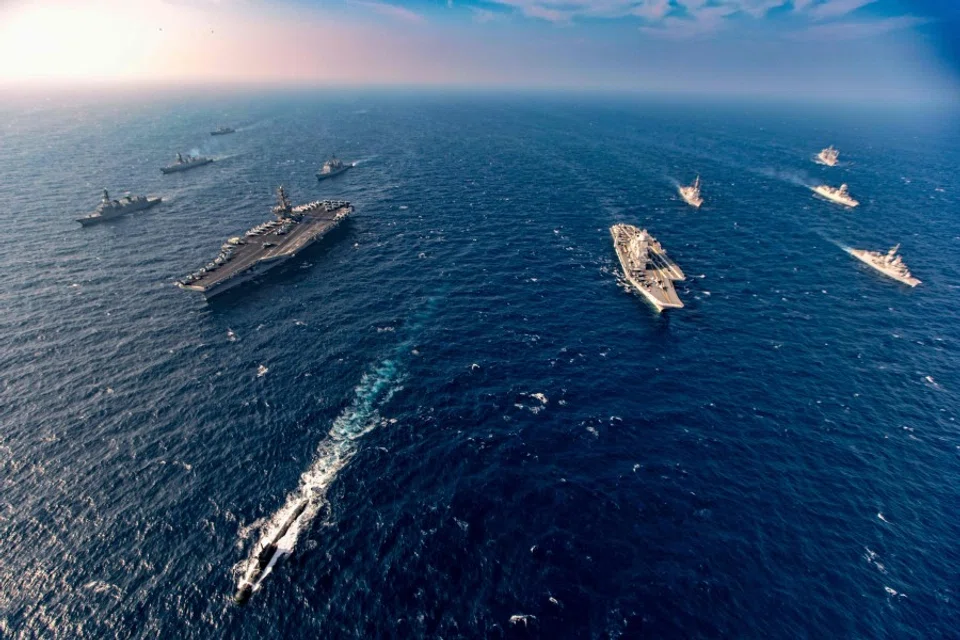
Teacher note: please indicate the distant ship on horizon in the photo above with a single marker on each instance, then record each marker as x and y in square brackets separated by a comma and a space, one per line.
[828, 156]
[222, 131]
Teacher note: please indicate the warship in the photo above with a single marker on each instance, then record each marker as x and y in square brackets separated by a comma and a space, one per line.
[889, 264]
[269, 551]
[332, 167]
[840, 196]
[182, 164]
[268, 244]
[692, 194]
[222, 131]
[828, 156]
[646, 266]
[109, 209]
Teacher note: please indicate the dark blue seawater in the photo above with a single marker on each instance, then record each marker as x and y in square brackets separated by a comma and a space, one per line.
[781, 458]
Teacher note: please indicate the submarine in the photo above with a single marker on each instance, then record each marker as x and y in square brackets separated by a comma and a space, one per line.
[266, 555]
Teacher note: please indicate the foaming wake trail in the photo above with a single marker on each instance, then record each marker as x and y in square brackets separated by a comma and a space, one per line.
[281, 531]
[794, 177]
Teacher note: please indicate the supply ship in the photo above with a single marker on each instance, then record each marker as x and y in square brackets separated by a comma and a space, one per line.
[692, 194]
[889, 264]
[828, 156]
[183, 164]
[646, 266]
[109, 209]
[332, 167]
[267, 245]
[222, 131]
[840, 196]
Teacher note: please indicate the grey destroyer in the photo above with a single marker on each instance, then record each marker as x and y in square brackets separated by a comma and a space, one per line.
[646, 266]
[222, 131]
[268, 244]
[183, 164]
[109, 209]
[333, 167]
[889, 264]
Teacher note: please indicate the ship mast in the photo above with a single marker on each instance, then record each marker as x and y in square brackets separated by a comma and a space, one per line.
[283, 203]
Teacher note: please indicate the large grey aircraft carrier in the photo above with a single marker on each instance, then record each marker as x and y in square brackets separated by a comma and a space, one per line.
[267, 245]
[646, 266]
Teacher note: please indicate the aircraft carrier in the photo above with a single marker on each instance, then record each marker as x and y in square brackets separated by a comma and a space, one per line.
[646, 266]
[267, 245]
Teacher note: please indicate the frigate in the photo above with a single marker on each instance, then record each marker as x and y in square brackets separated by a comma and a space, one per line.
[183, 164]
[692, 194]
[268, 244]
[109, 209]
[840, 196]
[222, 131]
[889, 264]
[828, 156]
[646, 266]
[333, 167]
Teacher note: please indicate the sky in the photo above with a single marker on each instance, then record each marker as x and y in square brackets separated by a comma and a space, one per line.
[869, 50]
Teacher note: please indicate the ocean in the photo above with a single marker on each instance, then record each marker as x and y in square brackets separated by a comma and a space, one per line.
[495, 437]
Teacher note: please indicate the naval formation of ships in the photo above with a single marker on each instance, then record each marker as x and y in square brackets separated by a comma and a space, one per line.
[650, 272]
[261, 248]
[645, 264]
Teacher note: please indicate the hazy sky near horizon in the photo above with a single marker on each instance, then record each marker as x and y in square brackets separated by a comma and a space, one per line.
[895, 50]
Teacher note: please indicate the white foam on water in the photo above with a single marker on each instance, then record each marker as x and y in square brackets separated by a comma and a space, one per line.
[333, 454]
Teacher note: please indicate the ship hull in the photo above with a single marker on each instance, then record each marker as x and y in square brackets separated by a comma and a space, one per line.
[693, 202]
[88, 221]
[864, 257]
[323, 176]
[222, 133]
[183, 167]
[832, 198]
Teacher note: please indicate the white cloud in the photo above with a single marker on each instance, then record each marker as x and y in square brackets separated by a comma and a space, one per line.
[856, 30]
[484, 15]
[391, 10]
[836, 8]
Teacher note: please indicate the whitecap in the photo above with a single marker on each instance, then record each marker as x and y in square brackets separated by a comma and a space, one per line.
[262, 371]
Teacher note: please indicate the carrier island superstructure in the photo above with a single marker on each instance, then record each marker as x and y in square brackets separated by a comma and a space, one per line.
[267, 245]
[646, 266]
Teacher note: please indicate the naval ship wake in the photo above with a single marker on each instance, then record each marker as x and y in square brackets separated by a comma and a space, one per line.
[281, 531]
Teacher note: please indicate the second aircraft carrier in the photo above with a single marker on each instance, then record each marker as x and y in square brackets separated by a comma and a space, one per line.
[267, 245]
[646, 266]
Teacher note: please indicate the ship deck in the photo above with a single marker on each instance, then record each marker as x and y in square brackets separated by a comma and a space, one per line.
[315, 224]
[656, 283]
